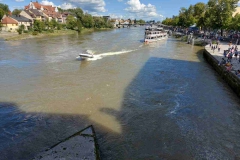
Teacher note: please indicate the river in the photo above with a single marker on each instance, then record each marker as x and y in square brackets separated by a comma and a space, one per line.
[146, 101]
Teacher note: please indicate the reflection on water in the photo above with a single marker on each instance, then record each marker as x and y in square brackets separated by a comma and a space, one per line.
[146, 101]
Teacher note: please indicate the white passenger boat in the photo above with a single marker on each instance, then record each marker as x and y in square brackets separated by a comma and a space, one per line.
[154, 33]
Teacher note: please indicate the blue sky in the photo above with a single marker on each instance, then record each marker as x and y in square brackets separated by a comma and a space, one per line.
[139, 9]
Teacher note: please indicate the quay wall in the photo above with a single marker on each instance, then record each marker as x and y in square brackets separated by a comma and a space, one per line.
[230, 78]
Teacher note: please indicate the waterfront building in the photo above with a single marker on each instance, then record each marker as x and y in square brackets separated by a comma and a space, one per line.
[22, 21]
[115, 22]
[33, 14]
[9, 24]
[46, 12]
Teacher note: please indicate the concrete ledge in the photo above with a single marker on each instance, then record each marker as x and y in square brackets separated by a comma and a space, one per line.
[230, 78]
[81, 145]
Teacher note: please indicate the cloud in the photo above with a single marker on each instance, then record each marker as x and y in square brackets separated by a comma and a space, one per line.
[46, 2]
[140, 10]
[18, 0]
[89, 5]
[67, 6]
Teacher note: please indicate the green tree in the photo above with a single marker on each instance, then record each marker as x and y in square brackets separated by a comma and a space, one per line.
[186, 17]
[4, 7]
[99, 22]
[88, 21]
[47, 24]
[235, 23]
[53, 24]
[79, 25]
[1, 13]
[199, 12]
[38, 26]
[16, 11]
[20, 29]
[1, 26]
[71, 22]
[221, 13]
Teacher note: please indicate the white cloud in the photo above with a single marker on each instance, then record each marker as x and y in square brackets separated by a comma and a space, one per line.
[46, 2]
[67, 6]
[19, 0]
[140, 10]
[89, 5]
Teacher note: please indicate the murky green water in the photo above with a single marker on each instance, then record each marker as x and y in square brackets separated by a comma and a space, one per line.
[146, 101]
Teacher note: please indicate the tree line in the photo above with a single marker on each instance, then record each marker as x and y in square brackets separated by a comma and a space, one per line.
[216, 14]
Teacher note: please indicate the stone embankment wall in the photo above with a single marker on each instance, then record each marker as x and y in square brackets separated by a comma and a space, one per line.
[230, 78]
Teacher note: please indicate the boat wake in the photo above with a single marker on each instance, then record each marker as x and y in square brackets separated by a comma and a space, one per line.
[100, 56]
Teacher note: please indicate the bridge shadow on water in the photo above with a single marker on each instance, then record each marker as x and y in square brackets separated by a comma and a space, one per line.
[161, 117]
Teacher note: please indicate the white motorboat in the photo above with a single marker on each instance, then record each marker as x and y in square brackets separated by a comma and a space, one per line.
[84, 56]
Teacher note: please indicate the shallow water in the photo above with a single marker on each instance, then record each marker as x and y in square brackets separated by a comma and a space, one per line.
[146, 101]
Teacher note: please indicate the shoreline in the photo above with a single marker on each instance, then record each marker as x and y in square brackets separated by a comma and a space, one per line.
[14, 36]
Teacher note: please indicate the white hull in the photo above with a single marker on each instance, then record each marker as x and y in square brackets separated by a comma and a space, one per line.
[155, 39]
[84, 56]
[154, 33]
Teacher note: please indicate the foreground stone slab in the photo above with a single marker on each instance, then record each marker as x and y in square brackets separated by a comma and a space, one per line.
[80, 146]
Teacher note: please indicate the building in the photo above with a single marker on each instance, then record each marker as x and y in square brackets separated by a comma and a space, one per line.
[46, 12]
[33, 14]
[23, 21]
[9, 24]
[115, 23]
[40, 7]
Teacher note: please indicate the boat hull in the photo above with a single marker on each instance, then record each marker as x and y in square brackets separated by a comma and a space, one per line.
[84, 56]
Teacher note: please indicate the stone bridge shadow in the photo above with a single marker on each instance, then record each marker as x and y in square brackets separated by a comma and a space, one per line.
[161, 117]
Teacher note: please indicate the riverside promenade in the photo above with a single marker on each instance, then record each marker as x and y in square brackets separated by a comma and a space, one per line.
[219, 55]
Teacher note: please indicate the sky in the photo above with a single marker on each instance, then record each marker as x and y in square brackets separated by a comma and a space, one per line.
[156, 10]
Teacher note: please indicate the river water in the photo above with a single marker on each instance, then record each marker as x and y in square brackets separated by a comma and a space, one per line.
[146, 101]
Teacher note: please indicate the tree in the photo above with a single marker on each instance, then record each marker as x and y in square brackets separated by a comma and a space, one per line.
[38, 26]
[16, 11]
[88, 21]
[20, 29]
[186, 17]
[1, 26]
[199, 12]
[1, 13]
[221, 13]
[4, 7]
[235, 23]
[99, 22]
[53, 24]
[71, 22]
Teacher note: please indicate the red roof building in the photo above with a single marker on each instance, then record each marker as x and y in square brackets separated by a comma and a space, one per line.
[8, 20]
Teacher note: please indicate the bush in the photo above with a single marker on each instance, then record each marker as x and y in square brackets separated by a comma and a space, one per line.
[35, 33]
[25, 31]
[19, 31]
[51, 31]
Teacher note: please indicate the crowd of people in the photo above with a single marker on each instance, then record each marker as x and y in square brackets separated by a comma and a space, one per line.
[229, 55]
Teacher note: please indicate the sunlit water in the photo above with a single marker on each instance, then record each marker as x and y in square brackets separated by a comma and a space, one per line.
[146, 101]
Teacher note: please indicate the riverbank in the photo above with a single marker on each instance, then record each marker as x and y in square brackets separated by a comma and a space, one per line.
[8, 36]
[13, 36]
